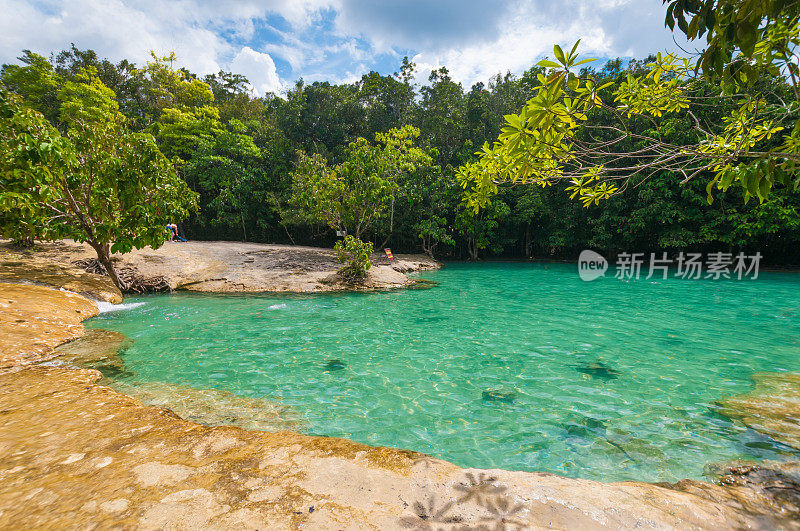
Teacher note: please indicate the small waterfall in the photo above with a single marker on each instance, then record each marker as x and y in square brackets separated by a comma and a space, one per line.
[106, 307]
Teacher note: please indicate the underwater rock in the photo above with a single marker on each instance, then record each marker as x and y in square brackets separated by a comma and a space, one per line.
[214, 407]
[499, 395]
[771, 408]
[335, 365]
[598, 369]
[586, 427]
[95, 349]
[637, 449]
[422, 283]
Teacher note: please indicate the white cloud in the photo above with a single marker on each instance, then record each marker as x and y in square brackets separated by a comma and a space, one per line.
[421, 24]
[259, 68]
[606, 28]
[335, 39]
[112, 27]
[198, 31]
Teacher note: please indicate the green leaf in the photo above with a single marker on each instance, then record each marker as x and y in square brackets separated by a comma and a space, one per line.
[764, 187]
[548, 64]
[574, 48]
[559, 55]
[752, 182]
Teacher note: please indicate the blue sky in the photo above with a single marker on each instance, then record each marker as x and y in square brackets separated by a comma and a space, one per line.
[275, 42]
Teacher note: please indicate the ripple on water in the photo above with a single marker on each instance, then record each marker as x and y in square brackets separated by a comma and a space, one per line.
[610, 380]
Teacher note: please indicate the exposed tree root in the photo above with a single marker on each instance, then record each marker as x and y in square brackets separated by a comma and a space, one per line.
[134, 282]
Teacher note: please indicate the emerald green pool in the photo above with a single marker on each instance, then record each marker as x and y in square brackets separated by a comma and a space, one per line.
[517, 366]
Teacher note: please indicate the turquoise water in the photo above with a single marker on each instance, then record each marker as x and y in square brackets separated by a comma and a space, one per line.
[518, 366]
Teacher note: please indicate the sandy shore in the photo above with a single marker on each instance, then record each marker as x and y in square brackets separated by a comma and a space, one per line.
[77, 454]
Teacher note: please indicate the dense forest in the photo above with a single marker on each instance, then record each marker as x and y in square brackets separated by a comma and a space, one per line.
[241, 153]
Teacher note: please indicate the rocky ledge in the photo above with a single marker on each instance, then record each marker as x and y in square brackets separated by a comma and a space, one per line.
[221, 266]
[19, 269]
[34, 319]
[78, 454]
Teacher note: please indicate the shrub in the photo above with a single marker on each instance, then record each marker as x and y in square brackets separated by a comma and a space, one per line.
[356, 255]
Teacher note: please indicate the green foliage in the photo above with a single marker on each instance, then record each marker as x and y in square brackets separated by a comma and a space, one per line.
[98, 182]
[321, 117]
[33, 156]
[354, 194]
[442, 114]
[226, 172]
[481, 230]
[168, 88]
[123, 190]
[239, 153]
[36, 80]
[387, 100]
[356, 255]
[744, 38]
[554, 138]
[432, 231]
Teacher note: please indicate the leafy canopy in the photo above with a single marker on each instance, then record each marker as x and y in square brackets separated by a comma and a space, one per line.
[98, 182]
[756, 145]
[355, 193]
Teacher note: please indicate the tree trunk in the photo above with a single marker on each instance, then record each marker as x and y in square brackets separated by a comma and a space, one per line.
[383, 245]
[288, 234]
[429, 249]
[104, 257]
[472, 246]
[391, 218]
[528, 241]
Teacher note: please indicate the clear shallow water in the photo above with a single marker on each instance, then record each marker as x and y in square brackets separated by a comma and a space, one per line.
[613, 380]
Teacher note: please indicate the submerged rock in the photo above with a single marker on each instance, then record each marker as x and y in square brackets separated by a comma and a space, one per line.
[598, 369]
[335, 365]
[96, 348]
[422, 283]
[500, 395]
[771, 408]
[587, 427]
[213, 407]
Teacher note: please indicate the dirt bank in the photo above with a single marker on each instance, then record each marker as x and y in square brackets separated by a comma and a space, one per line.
[234, 266]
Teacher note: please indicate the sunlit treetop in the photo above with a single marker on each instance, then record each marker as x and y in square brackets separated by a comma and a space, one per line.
[756, 144]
